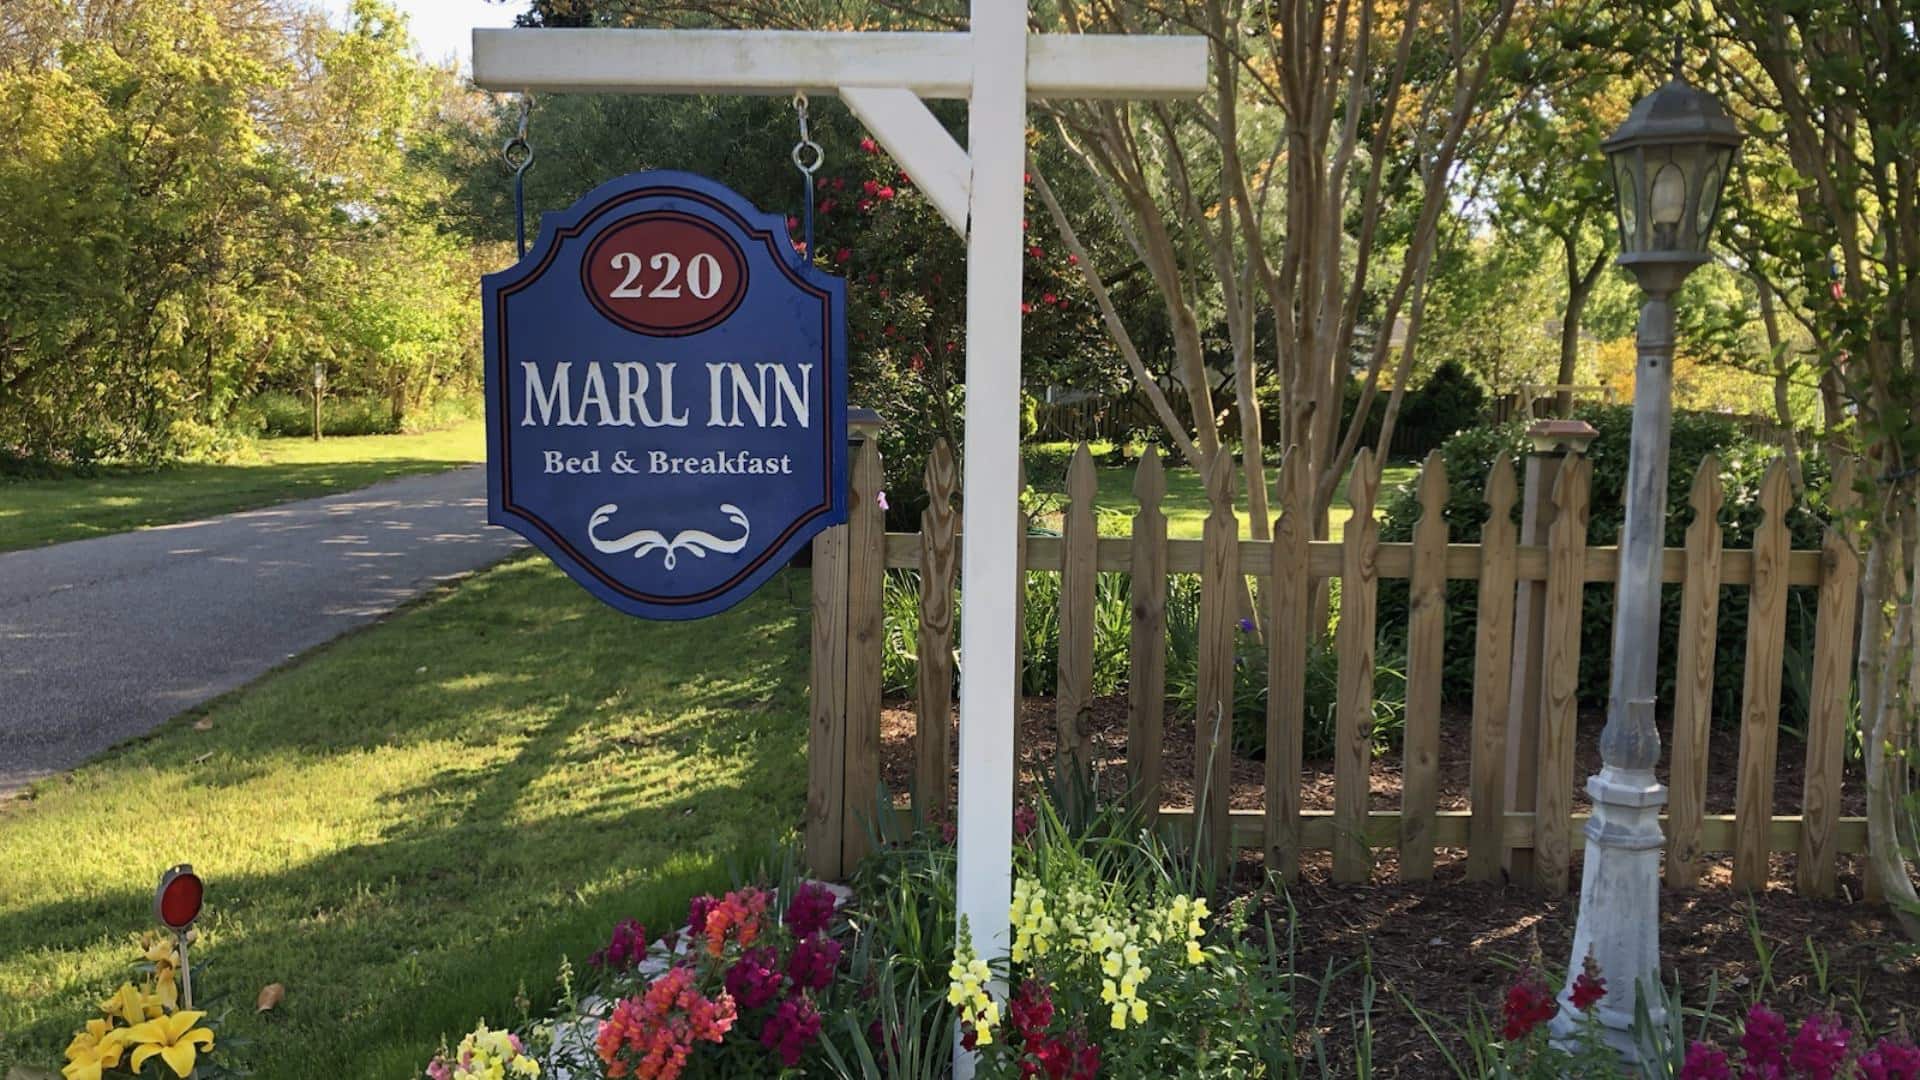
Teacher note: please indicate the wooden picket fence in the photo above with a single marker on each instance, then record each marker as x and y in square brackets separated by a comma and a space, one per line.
[1526, 666]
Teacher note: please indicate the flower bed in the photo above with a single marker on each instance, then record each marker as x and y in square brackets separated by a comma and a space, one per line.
[1117, 967]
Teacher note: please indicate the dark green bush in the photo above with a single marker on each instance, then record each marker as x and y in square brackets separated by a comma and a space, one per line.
[1469, 458]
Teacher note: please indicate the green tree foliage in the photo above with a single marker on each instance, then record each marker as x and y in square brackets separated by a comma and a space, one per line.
[203, 198]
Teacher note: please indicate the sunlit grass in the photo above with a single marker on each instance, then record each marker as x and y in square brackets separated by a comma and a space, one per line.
[1186, 501]
[410, 823]
[48, 511]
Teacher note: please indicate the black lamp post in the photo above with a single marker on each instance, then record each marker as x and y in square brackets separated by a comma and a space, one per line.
[1669, 162]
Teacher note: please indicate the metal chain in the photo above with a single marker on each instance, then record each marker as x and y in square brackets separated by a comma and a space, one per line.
[518, 154]
[800, 151]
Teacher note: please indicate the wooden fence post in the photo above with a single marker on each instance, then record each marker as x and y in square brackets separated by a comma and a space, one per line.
[1560, 676]
[1220, 588]
[1426, 646]
[933, 762]
[1833, 642]
[1760, 703]
[1525, 694]
[1147, 641]
[1693, 680]
[1353, 738]
[1073, 703]
[827, 726]
[1492, 677]
[1289, 636]
[866, 569]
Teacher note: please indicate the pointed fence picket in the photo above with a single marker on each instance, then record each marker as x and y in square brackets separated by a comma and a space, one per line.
[850, 561]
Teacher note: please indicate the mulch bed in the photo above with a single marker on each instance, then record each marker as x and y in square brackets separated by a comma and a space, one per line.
[1450, 945]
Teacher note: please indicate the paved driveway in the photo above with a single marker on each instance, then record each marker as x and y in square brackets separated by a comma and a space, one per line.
[102, 640]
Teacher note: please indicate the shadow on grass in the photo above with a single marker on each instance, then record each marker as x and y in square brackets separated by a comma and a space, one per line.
[412, 825]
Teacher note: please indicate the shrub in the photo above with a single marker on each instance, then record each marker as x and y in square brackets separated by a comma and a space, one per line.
[1250, 681]
[1469, 459]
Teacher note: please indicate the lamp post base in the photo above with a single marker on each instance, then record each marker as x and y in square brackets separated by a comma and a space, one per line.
[1619, 924]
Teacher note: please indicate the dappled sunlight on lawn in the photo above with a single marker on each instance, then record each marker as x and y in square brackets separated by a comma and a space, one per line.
[368, 829]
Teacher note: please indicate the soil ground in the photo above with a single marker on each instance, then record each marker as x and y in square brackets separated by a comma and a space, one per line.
[1425, 943]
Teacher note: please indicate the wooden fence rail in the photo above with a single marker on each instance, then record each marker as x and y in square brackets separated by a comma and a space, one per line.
[1521, 749]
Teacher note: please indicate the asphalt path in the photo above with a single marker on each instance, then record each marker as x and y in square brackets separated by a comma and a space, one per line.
[103, 640]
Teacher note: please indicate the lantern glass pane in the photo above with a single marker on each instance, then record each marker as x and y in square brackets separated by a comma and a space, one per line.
[1629, 199]
[1669, 195]
[1710, 187]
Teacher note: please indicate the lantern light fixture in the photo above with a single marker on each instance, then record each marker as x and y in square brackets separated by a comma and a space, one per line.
[1669, 163]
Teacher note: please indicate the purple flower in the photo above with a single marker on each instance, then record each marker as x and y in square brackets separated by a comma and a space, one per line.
[1025, 818]
[1890, 1060]
[812, 964]
[1705, 1063]
[1246, 626]
[811, 909]
[697, 911]
[754, 979]
[791, 1029]
[1764, 1042]
[1821, 1047]
[881, 498]
[627, 947]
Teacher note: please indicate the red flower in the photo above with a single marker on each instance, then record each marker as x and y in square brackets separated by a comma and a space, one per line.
[1026, 308]
[1024, 820]
[839, 184]
[843, 255]
[869, 146]
[905, 180]
[1048, 298]
[1036, 252]
[871, 187]
[791, 1029]
[811, 910]
[866, 204]
[820, 184]
[1528, 1005]
[1705, 1063]
[1026, 178]
[826, 208]
[1587, 990]
[885, 193]
[1073, 260]
[1764, 1040]
[1031, 1010]
[1588, 986]
[792, 222]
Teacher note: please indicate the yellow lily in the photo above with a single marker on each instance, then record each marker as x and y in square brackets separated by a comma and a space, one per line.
[131, 1005]
[94, 1050]
[165, 958]
[173, 1037]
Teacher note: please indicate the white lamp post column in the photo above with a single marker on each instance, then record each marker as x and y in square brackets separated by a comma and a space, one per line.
[1670, 160]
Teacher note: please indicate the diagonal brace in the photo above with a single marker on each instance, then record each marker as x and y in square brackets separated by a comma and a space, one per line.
[901, 121]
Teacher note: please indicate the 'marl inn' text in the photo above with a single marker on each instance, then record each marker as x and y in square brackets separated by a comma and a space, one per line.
[638, 394]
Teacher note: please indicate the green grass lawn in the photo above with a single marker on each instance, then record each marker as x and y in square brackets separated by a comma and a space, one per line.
[406, 826]
[47, 511]
[1186, 501]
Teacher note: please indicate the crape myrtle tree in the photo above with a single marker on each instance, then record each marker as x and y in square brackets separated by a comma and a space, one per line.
[1836, 86]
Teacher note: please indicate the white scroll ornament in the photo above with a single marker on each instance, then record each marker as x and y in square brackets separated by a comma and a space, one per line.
[696, 542]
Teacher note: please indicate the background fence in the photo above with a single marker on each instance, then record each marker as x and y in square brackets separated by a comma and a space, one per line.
[1530, 577]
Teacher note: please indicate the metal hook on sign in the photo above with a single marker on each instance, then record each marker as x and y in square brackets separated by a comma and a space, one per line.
[518, 154]
[801, 150]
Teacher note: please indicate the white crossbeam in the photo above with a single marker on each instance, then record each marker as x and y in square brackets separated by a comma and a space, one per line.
[932, 65]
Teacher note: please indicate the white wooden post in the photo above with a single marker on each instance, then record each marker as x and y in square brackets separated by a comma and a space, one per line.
[884, 78]
[996, 138]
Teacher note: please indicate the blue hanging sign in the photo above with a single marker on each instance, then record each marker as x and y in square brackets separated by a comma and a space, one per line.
[666, 395]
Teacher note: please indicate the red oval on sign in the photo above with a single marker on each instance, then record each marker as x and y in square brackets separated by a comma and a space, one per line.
[180, 898]
[665, 273]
